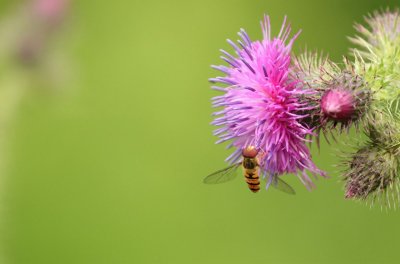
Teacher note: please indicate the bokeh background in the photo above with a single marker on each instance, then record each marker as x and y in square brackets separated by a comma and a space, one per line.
[104, 148]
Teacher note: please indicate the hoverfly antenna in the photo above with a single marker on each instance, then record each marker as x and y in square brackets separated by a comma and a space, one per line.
[250, 152]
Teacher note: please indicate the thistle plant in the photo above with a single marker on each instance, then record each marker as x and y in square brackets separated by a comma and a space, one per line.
[276, 101]
[364, 92]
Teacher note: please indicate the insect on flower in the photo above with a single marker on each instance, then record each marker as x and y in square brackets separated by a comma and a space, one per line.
[250, 167]
[261, 106]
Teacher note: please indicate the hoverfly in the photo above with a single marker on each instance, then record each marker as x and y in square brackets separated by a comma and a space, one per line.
[250, 167]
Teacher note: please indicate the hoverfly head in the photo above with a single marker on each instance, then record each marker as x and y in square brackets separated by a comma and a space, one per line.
[250, 152]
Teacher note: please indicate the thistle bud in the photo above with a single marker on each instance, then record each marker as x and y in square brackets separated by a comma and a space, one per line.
[344, 101]
[382, 28]
[372, 172]
[338, 104]
[340, 96]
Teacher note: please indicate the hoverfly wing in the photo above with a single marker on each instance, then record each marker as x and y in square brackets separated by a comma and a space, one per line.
[283, 186]
[224, 175]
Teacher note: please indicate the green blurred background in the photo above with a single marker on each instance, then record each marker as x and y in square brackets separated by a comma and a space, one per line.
[111, 171]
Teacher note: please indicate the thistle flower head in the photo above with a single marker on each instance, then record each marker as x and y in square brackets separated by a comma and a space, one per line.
[261, 105]
[379, 53]
[341, 96]
[344, 101]
[51, 10]
[383, 28]
[44, 20]
[372, 174]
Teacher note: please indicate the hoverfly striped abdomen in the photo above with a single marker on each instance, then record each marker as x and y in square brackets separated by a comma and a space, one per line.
[250, 168]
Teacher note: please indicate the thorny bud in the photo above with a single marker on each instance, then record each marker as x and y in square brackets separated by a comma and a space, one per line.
[344, 101]
[371, 173]
[382, 28]
[338, 104]
[341, 96]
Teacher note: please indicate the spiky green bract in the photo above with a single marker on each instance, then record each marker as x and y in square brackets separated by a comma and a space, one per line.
[374, 168]
[378, 58]
[341, 90]
[383, 130]
[313, 67]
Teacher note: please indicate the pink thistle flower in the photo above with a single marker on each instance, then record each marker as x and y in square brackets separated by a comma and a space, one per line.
[261, 105]
[51, 10]
[45, 19]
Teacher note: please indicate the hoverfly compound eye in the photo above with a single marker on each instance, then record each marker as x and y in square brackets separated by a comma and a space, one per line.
[250, 152]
